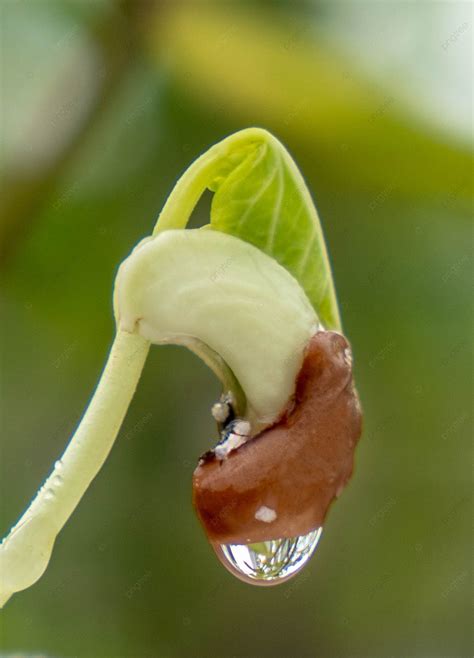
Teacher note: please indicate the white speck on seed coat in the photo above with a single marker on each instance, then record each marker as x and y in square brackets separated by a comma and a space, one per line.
[348, 356]
[238, 436]
[220, 411]
[265, 514]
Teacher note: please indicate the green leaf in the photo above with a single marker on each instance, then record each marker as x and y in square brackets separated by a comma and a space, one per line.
[260, 197]
[264, 200]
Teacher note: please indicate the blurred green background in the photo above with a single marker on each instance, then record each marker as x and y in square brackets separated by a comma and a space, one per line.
[104, 104]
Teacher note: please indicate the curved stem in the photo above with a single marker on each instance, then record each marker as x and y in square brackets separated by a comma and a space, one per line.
[186, 193]
[201, 174]
[25, 552]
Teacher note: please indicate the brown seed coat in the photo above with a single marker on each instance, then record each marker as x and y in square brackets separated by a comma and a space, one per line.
[297, 467]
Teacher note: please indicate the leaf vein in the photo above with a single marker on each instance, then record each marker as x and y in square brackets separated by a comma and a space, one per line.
[277, 206]
[255, 198]
[307, 252]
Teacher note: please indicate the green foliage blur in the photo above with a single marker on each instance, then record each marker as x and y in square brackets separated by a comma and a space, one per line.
[104, 104]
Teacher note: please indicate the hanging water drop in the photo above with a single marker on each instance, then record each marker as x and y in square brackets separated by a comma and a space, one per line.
[270, 562]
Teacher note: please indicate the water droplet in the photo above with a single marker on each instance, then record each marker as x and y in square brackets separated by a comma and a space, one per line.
[57, 480]
[270, 562]
[49, 495]
[58, 465]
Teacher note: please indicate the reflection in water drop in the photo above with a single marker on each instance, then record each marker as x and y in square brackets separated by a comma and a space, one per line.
[271, 562]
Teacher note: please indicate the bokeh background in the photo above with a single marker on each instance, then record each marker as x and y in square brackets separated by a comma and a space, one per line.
[104, 104]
